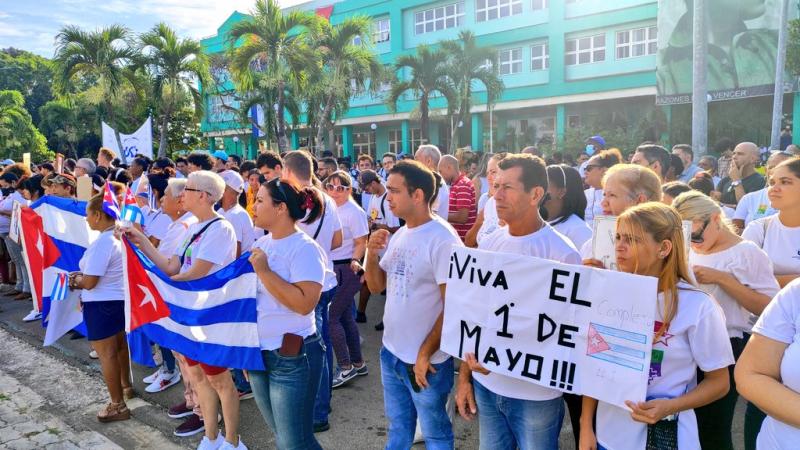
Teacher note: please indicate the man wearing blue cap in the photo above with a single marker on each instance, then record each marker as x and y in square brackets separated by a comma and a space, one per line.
[220, 158]
[594, 144]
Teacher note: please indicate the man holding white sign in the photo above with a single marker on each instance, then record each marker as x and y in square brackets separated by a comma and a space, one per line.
[417, 377]
[514, 412]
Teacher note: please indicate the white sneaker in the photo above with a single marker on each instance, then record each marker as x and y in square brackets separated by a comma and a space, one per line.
[228, 446]
[208, 444]
[93, 355]
[32, 316]
[163, 381]
[154, 376]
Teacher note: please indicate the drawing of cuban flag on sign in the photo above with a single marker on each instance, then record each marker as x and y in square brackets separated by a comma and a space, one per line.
[616, 346]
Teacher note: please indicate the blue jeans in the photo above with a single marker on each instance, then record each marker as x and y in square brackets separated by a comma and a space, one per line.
[323, 402]
[508, 423]
[168, 358]
[285, 394]
[403, 405]
[240, 381]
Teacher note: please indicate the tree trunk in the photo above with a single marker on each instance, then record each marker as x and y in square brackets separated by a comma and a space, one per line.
[283, 142]
[423, 118]
[162, 141]
[323, 122]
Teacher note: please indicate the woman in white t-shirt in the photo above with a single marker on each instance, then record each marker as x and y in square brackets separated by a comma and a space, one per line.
[768, 372]
[755, 205]
[291, 268]
[565, 205]
[347, 266]
[102, 297]
[594, 172]
[209, 246]
[486, 221]
[689, 335]
[738, 275]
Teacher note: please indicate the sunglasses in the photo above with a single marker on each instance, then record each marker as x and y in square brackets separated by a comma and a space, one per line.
[337, 188]
[697, 238]
[194, 190]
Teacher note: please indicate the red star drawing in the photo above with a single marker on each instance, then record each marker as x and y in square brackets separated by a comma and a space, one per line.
[664, 339]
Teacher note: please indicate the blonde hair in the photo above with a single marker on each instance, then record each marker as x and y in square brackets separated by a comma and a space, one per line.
[175, 187]
[694, 205]
[663, 223]
[208, 182]
[637, 180]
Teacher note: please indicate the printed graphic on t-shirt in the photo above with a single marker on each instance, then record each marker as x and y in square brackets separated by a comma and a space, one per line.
[657, 356]
[401, 272]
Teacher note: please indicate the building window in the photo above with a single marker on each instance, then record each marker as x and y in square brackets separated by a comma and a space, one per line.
[439, 18]
[395, 141]
[539, 5]
[495, 9]
[416, 139]
[510, 61]
[637, 42]
[380, 31]
[573, 121]
[364, 143]
[219, 108]
[540, 57]
[586, 50]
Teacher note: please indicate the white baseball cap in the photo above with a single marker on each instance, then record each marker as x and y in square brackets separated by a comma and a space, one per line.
[233, 180]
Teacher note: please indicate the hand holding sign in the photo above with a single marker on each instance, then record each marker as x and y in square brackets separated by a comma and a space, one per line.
[651, 411]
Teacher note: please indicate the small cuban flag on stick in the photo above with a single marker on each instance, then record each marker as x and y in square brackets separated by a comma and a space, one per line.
[130, 210]
[110, 203]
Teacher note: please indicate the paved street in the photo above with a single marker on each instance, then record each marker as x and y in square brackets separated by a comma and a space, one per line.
[49, 398]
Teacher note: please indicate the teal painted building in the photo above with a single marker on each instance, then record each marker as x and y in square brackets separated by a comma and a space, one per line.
[562, 62]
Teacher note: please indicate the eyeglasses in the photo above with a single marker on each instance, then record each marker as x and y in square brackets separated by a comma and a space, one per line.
[194, 190]
[590, 167]
[337, 188]
[282, 198]
[697, 238]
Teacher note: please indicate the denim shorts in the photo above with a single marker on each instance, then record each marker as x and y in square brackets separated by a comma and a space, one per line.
[103, 319]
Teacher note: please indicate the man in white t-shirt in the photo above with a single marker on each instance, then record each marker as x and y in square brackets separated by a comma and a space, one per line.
[521, 184]
[755, 205]
[327, 231]
[233, 211]
[430, 155]
[417, 377]
[379, 215]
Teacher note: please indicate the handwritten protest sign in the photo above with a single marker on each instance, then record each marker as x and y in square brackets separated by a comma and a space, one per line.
[13, 231]
[603, 240]
[561, 326]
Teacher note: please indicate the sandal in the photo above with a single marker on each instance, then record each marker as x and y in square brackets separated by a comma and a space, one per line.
[128, 393]
[23, 296]
[114, 412]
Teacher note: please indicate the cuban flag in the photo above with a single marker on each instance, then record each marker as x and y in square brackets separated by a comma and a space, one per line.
[39, 252]
[211, 320]
[110, 203]
[67, 236]
[617, 346]
[130, 210]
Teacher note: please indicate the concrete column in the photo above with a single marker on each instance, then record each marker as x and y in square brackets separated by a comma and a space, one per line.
[405, 135]
[561, 125]
[796, 118]
[347, 141]
[477, 132]
[295, 139]
[665, 136]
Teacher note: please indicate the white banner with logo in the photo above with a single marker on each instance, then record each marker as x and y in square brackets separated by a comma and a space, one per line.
[141, 141]
[573, 328]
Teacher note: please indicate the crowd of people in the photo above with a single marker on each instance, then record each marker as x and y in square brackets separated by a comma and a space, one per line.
[324, 235]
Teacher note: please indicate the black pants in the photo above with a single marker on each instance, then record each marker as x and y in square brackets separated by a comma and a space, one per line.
[715, 420]
[575, 406]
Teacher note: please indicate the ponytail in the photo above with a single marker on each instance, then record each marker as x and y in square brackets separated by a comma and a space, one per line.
[311, 202]
[299, 201]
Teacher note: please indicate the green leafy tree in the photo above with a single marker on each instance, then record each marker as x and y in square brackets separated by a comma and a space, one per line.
[175, 66]
[31, 75]
[428, 75]
[468, 69]
[793, 48]
[18, 134]
[103, 56]
[271, 55]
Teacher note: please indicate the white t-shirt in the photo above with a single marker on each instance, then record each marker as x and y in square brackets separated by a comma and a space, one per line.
[546, 243]
[482, 201]
[354, 225]
[327, 228]
[754, 205]
[695, 338]
[155, 223]
[217, 245]
[781, 243]
[594, 201]
[103, 258]
[781, 322]
[242, 225]
[294, 258]
[176, 233]
[490, 220]
[7, 205]
[441, 206]
[577, 230]
[751, 267]
[416, 262]
[380, 212]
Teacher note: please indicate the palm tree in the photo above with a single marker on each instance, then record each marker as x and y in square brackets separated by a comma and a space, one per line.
[428, 75]
[346, 67]
[17, 132]
[468, 65]
[102, 55]
[174, 65]
[273, 54]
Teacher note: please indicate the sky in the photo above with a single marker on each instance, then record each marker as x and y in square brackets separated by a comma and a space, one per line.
[33, 24]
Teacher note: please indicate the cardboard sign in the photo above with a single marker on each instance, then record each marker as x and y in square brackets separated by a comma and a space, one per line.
[84, 190]
[13, 231]
[59, 163]
[604, 240]
[560, 326]
[26, 159]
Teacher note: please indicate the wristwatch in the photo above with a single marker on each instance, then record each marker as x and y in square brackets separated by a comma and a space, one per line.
[736, 183]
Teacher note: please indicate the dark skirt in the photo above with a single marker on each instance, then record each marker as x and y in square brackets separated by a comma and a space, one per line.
[103, 319]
